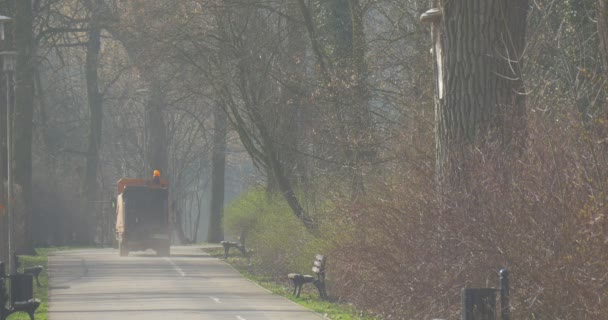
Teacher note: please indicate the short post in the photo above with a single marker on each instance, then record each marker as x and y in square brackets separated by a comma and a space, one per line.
[226, 246]
[3, 294]
[478, 304]
[505, 307]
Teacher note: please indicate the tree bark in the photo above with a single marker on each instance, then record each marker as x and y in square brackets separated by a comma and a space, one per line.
[218, 168]
[22, 124]
[156, 132]
[602, 30]
[480, 92]
[95, 102]
[3, 203]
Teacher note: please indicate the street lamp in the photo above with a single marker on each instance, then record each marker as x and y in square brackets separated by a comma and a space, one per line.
[8, 66]
[3, 20]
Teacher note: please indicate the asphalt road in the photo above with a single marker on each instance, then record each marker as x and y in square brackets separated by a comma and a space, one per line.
[97, 284]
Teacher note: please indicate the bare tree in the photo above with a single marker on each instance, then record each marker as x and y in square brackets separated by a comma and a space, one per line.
[95, 102]
[218, 169]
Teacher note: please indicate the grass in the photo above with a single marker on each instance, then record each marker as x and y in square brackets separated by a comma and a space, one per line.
[41, 259]
[310, 299]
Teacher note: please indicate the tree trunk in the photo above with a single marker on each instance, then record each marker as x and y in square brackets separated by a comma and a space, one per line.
[602, 30]
[177, 223]
[294, 120]
[3, 203]
[362, 139]
[22, 125]
[346, 79]
[156, 133]
[218, 168]
[95, 102]
[479, 96]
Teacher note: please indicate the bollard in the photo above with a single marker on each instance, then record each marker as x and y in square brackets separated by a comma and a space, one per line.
[3, 294]
[478, 304]
[505, 307]
[22, 288]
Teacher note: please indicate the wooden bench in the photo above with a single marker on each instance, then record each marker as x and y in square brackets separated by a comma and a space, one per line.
[21, 298]
[318, 268]
[230, 244]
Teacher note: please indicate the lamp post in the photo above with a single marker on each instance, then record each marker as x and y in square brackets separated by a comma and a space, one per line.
[8, 66]
[3, 20]
[5, 228]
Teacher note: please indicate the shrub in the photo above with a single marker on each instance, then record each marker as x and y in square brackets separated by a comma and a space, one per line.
[279, 240]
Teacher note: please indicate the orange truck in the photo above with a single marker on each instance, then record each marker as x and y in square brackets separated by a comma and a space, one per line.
[142, 215]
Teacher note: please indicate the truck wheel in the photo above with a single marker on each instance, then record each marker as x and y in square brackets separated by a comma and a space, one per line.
[122, 248]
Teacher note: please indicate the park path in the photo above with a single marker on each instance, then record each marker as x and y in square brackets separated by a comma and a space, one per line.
[96, 284]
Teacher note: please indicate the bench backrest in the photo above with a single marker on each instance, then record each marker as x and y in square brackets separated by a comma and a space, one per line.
[318, 265]
[22, 287]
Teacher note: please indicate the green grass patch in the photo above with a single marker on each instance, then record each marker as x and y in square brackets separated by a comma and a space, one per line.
[309, 297]
[40, 259]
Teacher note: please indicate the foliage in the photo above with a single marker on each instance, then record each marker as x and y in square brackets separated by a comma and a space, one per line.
[279, 240]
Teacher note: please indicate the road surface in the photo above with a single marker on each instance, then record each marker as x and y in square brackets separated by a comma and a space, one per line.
[95, 284]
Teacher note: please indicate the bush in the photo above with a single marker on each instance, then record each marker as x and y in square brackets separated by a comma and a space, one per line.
[406, 253]
[280, 242]
[544, 219]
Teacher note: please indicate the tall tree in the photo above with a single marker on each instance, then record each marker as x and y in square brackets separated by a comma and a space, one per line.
[218, 169]
[250, 94]
[343, 71]
[95, 102]
[602, 30]
[22, 123]
[156, 132]
[3, 155]
[480, 92]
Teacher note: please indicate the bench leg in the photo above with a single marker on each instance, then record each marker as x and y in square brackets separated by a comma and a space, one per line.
[31, 314]
[295, 286]
[321, 287]
[299, 289]
[226, 252]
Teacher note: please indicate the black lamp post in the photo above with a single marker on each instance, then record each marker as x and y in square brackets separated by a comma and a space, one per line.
[8, 66]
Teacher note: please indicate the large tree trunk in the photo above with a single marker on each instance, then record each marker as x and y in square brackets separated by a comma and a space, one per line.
[480, 93]
[295, 119]
[218, 169]
[5, 45]
[3, 203]
[602, 30]
[156, 133]
[22, 125]
[95, 126]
